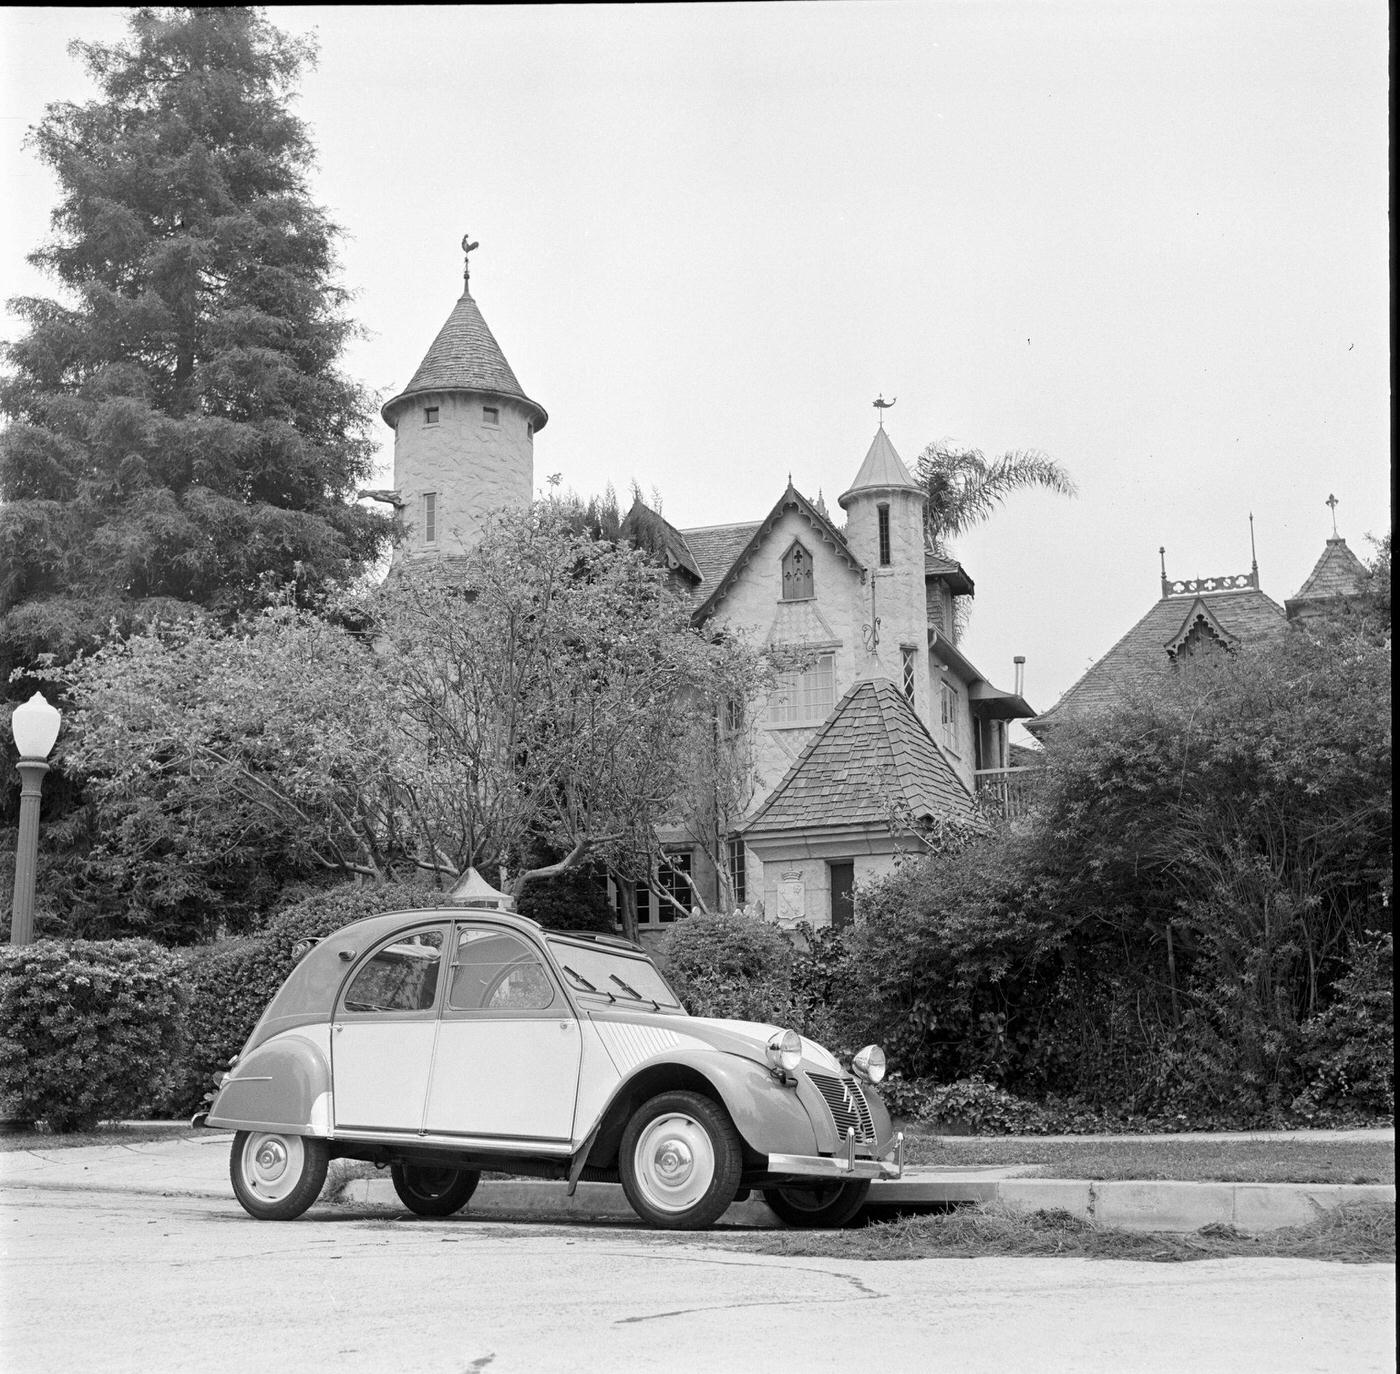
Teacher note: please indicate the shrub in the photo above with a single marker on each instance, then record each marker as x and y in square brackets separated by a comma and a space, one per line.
[232, 982]
[574, 900]
[1349, 1050]
[980, 1108]
[89, 1030]
[732, 966]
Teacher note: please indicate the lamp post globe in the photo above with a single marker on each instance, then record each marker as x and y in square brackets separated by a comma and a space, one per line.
[35, 728]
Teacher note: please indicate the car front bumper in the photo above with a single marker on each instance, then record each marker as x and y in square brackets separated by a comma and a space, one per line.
[845, 1165]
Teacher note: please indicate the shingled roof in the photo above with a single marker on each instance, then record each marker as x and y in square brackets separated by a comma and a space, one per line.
[882, 470]
[465, 357]
[1239, 615]
[871, 758]
[1338, 573]
[715, 547]
[718, 586]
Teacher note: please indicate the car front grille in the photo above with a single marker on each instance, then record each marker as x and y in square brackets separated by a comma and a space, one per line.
[847, 1104]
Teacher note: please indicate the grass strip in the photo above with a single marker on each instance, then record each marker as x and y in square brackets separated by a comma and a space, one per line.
[114, 1133]
[1284, 1160]
[1361, 1233]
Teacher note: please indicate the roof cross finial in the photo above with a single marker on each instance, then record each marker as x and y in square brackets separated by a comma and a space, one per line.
[467, 247]
[1332, 502]
[882, 406]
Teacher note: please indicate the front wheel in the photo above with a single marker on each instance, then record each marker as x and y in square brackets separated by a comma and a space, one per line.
[680, 1161]
[818, 1204]
[277, 1177]
[429, 1191]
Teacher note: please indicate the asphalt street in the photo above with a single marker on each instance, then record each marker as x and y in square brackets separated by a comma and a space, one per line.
[126, 1280]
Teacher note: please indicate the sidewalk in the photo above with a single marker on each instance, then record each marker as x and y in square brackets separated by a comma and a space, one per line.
[198, 1167]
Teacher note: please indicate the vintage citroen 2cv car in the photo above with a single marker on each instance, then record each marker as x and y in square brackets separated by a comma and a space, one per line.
[442, 1043]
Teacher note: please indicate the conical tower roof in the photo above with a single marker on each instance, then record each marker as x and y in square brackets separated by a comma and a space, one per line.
[883, 470]
[465, 357]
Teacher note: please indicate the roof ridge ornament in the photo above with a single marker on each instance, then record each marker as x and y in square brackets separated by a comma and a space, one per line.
[882, 406]
[467, 247]
[1332, 503]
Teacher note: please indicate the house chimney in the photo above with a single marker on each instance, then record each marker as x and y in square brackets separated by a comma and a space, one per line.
[1020, 662]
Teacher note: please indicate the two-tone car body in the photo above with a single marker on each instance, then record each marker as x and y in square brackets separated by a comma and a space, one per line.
[442, 1043]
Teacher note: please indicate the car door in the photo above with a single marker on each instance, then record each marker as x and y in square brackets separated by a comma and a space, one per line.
[508, 1050]
[383, 1034]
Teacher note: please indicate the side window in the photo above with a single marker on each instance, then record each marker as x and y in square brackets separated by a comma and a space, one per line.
[494, 970]
[402, 976]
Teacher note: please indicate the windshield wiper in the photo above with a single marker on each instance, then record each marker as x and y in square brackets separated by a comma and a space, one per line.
[627, 987]
[585, 984]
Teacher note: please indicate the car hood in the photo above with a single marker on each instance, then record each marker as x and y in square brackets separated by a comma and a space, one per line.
[750, 1039]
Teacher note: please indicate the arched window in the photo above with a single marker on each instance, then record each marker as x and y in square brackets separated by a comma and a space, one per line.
[797, 574]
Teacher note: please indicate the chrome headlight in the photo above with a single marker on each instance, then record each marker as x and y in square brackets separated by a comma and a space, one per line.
[784, 1050]
[869, 1064]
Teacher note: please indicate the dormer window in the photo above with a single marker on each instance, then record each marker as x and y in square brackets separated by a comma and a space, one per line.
[797, 574]
[490, 415]
[883, 517]
[430, 415]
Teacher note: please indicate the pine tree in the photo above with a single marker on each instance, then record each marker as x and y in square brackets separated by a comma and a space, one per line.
[179, 430]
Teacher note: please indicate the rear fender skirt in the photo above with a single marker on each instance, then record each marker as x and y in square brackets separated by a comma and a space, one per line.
[284, 1084]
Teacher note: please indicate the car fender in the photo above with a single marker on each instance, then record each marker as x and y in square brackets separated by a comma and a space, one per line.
[767, 1113]
[282, 1085]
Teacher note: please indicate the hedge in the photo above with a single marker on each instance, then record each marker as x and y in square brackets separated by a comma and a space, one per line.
[90, 1030]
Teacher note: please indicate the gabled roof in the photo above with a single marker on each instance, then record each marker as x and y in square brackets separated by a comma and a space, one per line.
[465, 357]
[650, 530]
[871, 758]
[883, 470]
[790, 500]
[1338, 573]
[715, 547]
[1199, 615]
[1244, 614]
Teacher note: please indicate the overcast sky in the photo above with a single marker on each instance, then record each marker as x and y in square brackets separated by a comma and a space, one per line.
[1149, 240]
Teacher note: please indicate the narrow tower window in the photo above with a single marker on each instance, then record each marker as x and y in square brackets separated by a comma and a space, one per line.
[907, 654]
[430, 415]
[430, 517]
[491, 415]
[883, 514]
[797, 574]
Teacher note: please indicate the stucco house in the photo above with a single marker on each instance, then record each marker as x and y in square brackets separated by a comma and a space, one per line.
[879, 722]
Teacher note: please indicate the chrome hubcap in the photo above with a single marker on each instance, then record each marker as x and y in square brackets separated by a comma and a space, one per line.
[272, 1165]
[675, 1162]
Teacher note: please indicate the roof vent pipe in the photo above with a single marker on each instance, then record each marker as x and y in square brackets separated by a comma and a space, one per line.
[1020, 662]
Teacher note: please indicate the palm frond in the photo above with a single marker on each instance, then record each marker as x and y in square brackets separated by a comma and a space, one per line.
[964, 488]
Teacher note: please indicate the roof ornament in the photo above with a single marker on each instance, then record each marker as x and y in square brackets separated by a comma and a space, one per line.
[1332, 502]
[882, 406]
[467, 247]
[1253, 557]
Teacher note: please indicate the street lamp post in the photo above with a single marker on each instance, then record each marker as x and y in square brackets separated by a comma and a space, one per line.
[35, 727]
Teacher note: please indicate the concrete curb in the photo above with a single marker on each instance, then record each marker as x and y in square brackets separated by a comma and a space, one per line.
[1128, 1206]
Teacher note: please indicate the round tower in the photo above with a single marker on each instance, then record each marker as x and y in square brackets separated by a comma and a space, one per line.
[885, 529]
[464, 435]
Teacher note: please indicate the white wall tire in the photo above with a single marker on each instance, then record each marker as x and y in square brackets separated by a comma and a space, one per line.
[276, 1177]
[680, 1161]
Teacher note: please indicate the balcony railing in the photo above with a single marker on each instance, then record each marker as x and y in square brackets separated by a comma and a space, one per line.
[1008, 790]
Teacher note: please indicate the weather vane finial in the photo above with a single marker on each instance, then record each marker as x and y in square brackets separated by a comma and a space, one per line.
[882, 406]
[1332, 502]
[467, 247]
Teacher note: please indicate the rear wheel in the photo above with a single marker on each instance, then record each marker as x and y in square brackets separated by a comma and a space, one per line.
[433, 1191]
[818, 1204]
[680, 1161]
[277, 1177]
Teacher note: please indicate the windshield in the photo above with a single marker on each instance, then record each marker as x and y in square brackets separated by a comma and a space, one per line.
[615, 973]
